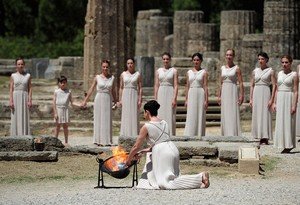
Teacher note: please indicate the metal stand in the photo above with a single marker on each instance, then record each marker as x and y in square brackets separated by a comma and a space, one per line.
[100, 175]
[135, 175]
[101, 180]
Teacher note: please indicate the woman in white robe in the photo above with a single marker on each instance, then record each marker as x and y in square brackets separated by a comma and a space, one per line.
[161, 170]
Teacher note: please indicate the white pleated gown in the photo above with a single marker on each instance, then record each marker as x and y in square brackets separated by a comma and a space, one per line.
[165, 97]
[20, 124]
[298, 109]
[230, 111]
[130, 112]
[261, 114]
[62, 105]
[102, 111]
[161, 170]
[285, 137]
[196, 113]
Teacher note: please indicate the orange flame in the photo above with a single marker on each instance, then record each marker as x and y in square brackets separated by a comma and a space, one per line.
[119, 158]
[38, 140]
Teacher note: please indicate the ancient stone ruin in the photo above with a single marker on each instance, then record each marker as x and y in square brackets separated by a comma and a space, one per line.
[237, 30]
[108, 35]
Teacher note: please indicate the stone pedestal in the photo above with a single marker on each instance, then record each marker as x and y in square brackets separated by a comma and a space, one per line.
[234, 25]
[248, 160]
[281, 28]
[159, 27]
[108, 35]
[168, 43]
[142, 31]
[251, 46]
[182, 20]
[202, 37]
[145, 66]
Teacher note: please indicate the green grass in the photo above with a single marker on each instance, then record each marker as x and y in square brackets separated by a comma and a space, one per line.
[270, 163]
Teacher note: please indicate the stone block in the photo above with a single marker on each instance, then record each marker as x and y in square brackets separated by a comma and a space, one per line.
[39, 67]
[51, 143]
[52, 71]
[182, 19]
[168, 43]
[20, 143]
[189, 149]
[159, 28]
[229, 154]
[44, 156]
[146, 14]
[226, 139]
[66, 61]
[88, 150]
[209, 162]
[145, 66]
[248, 162]
[126, 142]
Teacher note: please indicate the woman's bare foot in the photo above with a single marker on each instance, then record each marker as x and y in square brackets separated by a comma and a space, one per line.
[205, 180]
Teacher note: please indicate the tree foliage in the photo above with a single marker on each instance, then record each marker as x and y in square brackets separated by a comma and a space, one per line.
[41, 28]
[51, 28]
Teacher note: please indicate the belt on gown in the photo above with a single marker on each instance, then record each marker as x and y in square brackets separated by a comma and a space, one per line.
[229, 82]
[103, 91]
[166, 85]
[196, 86]
[62, 107]
[285, 90]
[130, 87]
[262, 85]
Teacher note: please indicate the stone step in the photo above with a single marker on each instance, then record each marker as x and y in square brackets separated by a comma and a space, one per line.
[211, 101]
[76, 123]
[208, 124]
[210, 109]
[37, 156]
[209, 117]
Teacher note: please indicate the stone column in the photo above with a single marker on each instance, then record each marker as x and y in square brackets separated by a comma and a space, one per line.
[202, 38]
[108, 35]
[251, 46]
[234, 25]
[168, 43]
[159, 28]
[142, 31]
[145, 65]
[281, 28]
[182, 19]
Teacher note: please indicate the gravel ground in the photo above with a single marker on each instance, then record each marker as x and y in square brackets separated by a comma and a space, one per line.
[281, 186]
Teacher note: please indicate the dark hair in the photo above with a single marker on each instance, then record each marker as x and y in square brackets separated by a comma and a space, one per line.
[200, 56]
[290, 59]
[61, 79]
[152, 106]
[167, 54]
[20, 58]
[263, 54]
[231, 49]
[105, 61]
[125, 69]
